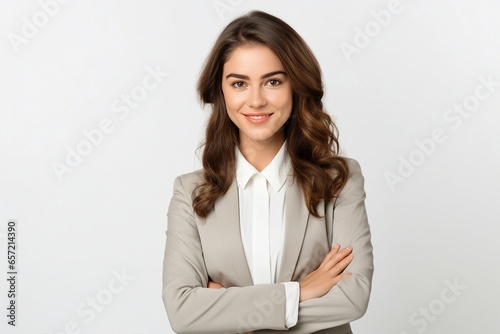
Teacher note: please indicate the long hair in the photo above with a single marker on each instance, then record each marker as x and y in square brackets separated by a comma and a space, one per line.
[311, 135]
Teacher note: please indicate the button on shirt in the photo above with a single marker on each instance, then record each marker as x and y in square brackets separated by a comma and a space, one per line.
[262, 223]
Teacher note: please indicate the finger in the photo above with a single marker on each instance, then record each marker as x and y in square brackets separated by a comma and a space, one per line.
[340, 277]
[337, 257]
[213, 285]
[340, 266]
[330, 254]
[341, 254]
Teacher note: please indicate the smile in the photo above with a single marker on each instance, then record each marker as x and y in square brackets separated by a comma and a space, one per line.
[257, 118]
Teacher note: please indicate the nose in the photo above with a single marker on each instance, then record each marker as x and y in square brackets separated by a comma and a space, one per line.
[256, 98]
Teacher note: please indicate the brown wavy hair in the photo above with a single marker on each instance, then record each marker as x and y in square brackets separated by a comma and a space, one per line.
[311, 135]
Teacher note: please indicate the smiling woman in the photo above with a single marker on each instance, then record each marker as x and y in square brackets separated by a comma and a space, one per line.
[272, 233]
[258, 101]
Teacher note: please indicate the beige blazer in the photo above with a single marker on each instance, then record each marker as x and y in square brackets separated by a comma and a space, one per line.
[198, 250]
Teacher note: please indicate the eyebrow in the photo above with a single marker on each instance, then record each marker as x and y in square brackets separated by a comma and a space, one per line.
[245, 77]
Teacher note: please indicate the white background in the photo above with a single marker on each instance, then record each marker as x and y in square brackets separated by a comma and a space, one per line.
[107, 214]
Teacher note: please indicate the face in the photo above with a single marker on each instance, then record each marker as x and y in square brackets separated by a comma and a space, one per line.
[258, 95]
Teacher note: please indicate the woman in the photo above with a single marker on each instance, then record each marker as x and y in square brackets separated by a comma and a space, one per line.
[254, 238]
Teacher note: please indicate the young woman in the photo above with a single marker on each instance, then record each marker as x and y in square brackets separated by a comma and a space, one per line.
[272, 233]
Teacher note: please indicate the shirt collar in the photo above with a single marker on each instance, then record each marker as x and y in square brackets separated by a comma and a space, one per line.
[275, 173]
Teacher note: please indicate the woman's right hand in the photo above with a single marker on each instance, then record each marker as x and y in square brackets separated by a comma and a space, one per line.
[318, 282]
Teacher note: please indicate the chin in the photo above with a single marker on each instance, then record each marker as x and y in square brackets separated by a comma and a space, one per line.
[261, 137]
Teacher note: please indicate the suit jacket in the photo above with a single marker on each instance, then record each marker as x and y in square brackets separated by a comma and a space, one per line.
[202, 249]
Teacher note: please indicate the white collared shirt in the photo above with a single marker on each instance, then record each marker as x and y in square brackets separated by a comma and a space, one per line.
[262, 223]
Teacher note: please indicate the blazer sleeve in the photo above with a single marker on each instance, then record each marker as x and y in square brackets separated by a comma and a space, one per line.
[191, 306]
[348, 300]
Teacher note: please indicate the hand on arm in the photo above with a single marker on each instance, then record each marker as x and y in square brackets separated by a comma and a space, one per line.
[347, 300]
[331, 270]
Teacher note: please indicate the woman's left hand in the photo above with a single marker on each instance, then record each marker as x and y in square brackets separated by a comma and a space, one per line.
[213, 285]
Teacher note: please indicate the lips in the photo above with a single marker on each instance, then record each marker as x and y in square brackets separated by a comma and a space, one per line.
[257, 118]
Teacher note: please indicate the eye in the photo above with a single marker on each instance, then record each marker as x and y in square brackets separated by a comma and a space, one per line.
[274, 82]
[238, 84]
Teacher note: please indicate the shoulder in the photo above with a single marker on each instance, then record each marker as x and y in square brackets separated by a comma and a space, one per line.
[181, 201]
[355, 185]
[354, 168]
[189, 181]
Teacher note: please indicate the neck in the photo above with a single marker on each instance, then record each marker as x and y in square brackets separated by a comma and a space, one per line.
[260, 155]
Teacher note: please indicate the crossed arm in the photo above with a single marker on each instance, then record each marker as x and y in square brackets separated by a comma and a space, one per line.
[318, 282]
[332, 295]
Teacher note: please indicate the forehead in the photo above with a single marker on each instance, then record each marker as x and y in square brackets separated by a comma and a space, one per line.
[252, 59]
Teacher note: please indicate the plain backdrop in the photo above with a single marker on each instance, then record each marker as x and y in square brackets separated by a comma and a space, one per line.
[98, 114]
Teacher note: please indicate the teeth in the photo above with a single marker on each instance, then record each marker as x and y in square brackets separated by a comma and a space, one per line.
[258, 117]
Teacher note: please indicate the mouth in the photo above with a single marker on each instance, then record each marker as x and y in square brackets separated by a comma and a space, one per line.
[257, 118]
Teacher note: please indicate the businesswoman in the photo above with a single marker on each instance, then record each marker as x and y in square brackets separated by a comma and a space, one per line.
[272, 233]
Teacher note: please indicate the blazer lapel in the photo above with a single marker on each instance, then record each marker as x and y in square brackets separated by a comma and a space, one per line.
[228, 221]
[296, 217]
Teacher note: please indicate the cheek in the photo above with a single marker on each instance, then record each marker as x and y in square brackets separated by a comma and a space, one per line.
[282, 96]
[285, 102]
[233, 101]
[231, 107]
